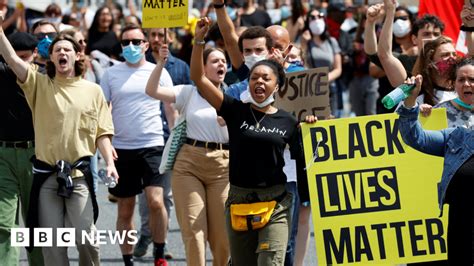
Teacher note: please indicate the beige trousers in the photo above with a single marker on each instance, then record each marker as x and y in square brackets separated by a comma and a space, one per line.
[57, 212]
[200, 184]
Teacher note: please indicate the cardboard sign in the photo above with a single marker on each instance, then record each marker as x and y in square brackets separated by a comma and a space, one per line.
[164, 13]
[305, 93]
[374, 199]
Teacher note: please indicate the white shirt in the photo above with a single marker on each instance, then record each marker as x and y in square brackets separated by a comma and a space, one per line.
[136, 116]
[201, 117]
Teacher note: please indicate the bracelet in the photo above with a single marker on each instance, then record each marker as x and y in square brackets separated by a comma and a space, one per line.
[466, 28]
[199, 42]
[217, 6]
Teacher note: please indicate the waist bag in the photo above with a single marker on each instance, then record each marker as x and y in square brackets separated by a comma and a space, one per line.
[251, 216]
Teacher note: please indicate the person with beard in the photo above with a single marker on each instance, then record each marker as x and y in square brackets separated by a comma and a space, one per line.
[16, 149]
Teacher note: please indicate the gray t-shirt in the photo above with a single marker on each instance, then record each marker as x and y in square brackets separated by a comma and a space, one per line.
[322, 55]
[456, 117]
[136, 116]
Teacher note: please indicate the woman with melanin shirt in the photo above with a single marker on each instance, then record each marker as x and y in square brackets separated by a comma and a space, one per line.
[258, 135]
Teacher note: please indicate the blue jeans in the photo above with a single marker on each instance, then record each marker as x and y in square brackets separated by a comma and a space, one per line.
[294, 213]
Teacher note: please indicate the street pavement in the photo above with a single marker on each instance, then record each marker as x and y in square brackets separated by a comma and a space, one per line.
[110, 254]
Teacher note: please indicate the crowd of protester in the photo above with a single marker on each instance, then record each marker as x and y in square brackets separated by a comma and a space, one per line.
[220, 73]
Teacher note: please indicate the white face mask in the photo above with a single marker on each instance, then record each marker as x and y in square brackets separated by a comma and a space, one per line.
[317, 26]
[251, 60]
[246, 97]
[401, 28]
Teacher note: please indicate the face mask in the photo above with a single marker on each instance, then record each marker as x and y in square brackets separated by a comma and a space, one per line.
[317, 26]
[443, 66]
[296, 63]
[43, 47]
[251, 60]
[401, 28]
[132, 53]
[246, 97]
[212, 16]
[285, 12]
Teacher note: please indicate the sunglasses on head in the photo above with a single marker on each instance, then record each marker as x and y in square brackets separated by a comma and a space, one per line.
[51, 35]
[133, 41]
[401, 17]
[313, 17]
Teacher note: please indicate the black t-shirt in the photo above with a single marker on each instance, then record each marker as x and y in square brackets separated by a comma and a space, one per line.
[257, 18]
[256, 154]
[15, 114]
[106, 42]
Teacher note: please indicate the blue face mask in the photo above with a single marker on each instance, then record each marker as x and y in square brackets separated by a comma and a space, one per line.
[43, 47]
[132, 53]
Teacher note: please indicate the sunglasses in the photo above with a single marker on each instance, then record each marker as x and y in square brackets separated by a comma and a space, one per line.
[401, 17]
[313, 17]
[51, 35]
[133, 41]
[82, 42]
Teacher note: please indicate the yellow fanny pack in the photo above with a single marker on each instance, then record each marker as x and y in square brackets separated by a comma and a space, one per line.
[251, 216]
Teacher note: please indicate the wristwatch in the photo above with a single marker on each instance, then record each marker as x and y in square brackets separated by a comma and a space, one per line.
[199, 42]
[217, 6]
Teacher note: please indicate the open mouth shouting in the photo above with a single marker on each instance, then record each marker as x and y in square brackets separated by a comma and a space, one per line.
[468, 96]
[259, 92]
[221, 72]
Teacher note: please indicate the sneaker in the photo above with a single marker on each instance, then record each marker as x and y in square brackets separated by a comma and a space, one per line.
[142, 246]
[161, 262]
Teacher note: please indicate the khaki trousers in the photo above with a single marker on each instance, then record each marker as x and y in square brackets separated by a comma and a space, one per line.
[57, 212]
[200, 183]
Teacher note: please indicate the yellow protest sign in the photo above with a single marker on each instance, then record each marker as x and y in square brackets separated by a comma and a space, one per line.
[164, 13]
[305, 93]
[374, 199]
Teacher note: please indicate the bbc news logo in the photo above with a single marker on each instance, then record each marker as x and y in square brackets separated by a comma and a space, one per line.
[66, 237]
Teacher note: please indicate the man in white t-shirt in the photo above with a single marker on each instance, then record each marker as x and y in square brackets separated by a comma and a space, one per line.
[138, 140]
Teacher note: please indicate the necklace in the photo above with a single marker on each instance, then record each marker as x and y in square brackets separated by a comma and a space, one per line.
[463, 104]
[257, 122]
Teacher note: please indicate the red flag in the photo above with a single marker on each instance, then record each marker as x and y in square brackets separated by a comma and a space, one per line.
[449, 11]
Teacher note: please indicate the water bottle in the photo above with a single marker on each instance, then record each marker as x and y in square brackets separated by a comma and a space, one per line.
[399, 94]
[109, 181]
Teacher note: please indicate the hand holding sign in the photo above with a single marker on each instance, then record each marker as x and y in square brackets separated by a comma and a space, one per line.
[164, 52]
